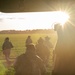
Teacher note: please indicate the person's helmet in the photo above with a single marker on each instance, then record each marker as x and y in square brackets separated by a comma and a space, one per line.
[57, 26]
[47, 38]
[29, 36]
[31, 47]
[7, 38]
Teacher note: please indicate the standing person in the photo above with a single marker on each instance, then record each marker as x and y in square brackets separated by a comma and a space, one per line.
[64, 54]
[6, 47]
[42, 51]
[58, 52]
[28, 40]
[48, 42]
[29, 63]
[69, 37]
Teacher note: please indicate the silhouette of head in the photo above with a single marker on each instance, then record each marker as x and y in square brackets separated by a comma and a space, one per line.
[40, 40]
[31, 48]
[29, 36]
[47, 38]
[7, 39]
[57, 27]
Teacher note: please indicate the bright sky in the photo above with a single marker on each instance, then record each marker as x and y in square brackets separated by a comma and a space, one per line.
[31, 20]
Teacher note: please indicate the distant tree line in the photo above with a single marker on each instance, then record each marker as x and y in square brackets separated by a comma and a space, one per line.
[40, 31]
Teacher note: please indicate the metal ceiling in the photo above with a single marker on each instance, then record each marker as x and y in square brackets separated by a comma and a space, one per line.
[35, 5]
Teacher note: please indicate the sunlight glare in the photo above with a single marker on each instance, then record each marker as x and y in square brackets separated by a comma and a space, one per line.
[62, 17]
[32, 20]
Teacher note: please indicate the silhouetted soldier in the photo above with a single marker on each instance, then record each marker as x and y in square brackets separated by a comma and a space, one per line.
[28, 40]
[48, 42]
[42, 51]
[7, 45]
[29, 63]
[69, 39]
[64, 63]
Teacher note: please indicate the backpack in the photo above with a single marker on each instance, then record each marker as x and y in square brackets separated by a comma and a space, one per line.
[25, 65]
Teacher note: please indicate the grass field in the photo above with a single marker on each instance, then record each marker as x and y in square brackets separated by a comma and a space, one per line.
[18, 41]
